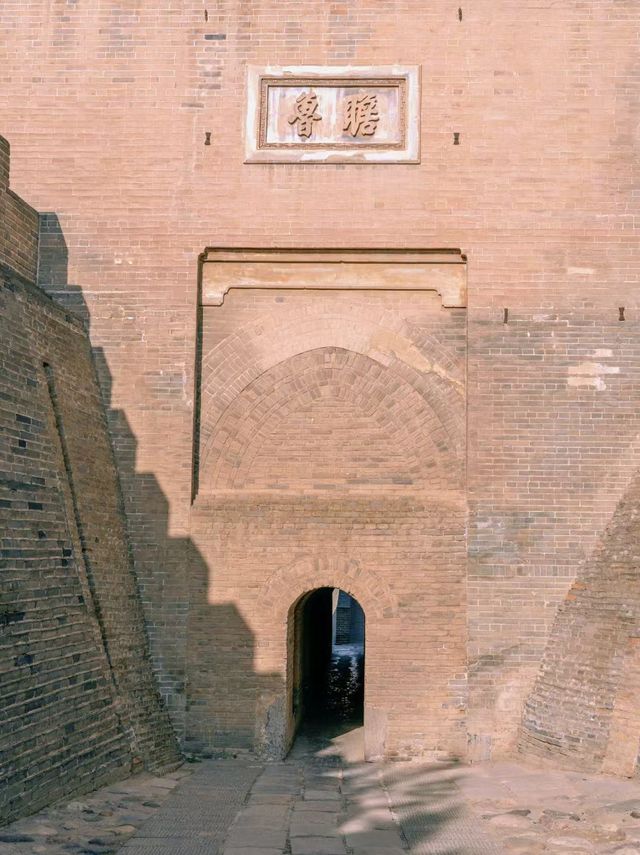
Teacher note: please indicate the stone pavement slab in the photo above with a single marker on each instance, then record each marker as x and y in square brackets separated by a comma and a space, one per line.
[172, 846]
[319, 823]
[432, 812]
[373, 839]
[315, 806]
[196, 818]
[252, 851]
[241, 807]
[317, 846]
[255, 836]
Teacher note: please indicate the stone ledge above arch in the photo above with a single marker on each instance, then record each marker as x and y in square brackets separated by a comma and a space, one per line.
[441, 270]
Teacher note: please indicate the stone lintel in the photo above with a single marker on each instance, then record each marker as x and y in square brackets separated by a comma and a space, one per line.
[442, 271]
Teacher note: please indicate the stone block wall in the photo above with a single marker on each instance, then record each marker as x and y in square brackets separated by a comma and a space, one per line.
[349, 621]
[79, 702]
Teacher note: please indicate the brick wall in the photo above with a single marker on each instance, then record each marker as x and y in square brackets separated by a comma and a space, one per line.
[18, 224]
[80, 706]
[402, 558]
[108, 122]
[583, 708]
[331, 454]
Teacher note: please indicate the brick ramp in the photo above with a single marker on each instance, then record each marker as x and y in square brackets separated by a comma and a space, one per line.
[432, 811]
[195, 818]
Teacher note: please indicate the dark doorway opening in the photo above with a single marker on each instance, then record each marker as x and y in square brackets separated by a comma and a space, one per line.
[328, 663]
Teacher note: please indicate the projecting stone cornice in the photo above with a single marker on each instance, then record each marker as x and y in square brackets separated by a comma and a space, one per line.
[442, 271]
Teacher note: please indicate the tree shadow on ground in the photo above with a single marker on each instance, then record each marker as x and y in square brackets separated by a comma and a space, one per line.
[424, 797]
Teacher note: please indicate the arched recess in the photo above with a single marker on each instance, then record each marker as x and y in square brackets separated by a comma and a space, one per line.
[242, 357]
[398, 440]
[393, 361]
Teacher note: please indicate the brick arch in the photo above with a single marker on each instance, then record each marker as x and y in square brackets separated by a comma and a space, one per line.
[397, 421]
[283, 590]
[238, 360]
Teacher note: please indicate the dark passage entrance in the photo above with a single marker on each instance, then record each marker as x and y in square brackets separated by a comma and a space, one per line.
[328, 679]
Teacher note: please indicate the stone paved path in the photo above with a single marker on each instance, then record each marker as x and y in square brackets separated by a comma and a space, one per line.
[196, 817]
[315, 805]
[325, 801]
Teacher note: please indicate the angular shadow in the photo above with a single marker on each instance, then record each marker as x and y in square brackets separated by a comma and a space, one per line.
[172, 578]
[174, 582]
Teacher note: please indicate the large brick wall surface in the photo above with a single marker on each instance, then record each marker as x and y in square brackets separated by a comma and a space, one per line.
[108, 121]
[79, 703]
[332, 454]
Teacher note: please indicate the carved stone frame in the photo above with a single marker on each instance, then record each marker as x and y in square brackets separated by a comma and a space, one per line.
[405, 78]
[399, 83]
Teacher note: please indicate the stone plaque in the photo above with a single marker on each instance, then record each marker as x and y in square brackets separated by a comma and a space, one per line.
[315, 114]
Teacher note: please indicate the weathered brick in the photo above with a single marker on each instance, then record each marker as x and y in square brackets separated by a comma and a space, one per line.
[539, 195]
[73, 685]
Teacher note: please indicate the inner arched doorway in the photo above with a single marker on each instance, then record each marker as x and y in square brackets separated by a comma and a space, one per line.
[326, 663]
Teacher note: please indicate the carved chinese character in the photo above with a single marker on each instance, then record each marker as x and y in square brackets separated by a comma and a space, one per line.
[304, 113]
[361, 115]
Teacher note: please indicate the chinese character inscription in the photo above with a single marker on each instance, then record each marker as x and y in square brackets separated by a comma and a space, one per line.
[361, 115]
[315, 114]
[304, 114]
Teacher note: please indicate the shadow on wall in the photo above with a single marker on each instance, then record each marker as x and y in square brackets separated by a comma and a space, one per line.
[172, 578]
[171, 603]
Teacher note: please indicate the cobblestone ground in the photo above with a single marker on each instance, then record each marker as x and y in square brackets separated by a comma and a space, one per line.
[533, 811]
[100, 822]
[325, 801]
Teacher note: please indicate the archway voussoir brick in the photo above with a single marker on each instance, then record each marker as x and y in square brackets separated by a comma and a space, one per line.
[268, 406]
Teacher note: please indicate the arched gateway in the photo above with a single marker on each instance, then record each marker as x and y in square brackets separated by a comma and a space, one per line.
[326, 659]
[329, 457]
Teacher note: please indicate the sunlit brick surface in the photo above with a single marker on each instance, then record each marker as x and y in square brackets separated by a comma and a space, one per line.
[107, 106]
[332, 454]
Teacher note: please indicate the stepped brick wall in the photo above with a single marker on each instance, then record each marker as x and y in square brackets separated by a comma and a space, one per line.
[79, 703]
